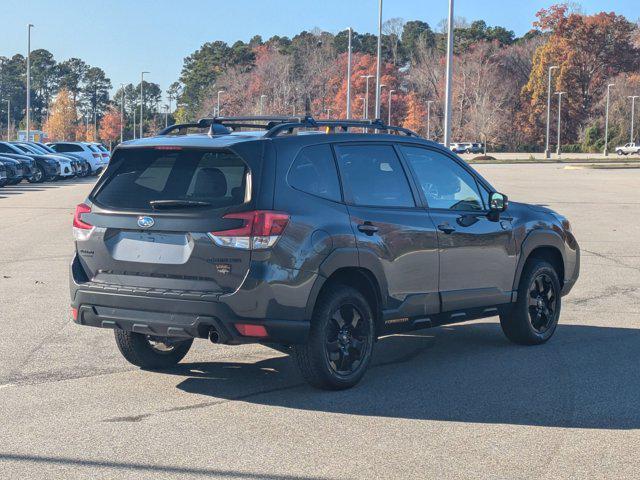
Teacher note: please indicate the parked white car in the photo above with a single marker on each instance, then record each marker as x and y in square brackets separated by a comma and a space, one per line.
[628, 149]
[89, 153]
[106, 156]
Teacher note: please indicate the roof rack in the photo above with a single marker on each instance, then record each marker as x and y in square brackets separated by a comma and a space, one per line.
[275, 125]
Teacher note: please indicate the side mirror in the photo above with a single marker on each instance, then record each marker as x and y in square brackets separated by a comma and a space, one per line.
[498, 203]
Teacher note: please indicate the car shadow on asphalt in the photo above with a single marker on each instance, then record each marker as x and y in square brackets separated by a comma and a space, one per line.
[585, 377]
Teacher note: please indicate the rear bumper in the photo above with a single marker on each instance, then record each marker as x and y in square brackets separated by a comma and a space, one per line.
[178, 318]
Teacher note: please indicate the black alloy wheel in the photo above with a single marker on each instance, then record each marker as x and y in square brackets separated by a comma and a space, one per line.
[346, 342]
[542, 303]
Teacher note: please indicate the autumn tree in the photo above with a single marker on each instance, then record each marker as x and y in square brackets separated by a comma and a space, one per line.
[62, 118]
[589, 49]
[416, 115]
[110, 126]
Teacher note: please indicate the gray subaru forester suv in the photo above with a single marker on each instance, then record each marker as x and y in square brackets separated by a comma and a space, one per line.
[311, 238]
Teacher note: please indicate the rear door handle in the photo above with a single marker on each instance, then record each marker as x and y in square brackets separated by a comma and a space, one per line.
[446, 228]
[367, 228]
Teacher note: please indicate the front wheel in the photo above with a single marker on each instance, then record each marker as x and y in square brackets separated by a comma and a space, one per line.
[38, 176]
[533, 319]
[150, 352]
[340, 344]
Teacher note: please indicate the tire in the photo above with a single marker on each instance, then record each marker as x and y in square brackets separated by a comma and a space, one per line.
[139, 350]
[533, 319]
[340, 344]
[620, 152]
[468, 150]
[38, 177]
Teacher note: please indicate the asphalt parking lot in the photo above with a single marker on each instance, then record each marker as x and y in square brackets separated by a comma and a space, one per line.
[451, 402]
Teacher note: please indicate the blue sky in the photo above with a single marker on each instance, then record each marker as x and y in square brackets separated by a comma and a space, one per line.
[126, 37]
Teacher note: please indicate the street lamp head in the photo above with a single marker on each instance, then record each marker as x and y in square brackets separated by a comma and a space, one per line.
[611, 85]
[553, 67]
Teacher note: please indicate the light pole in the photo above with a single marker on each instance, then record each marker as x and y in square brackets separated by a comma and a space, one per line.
[378, 62]
[328, 110]
[29, 27]
[262, 97]
[366, 96]
[218, 106]
[122, 113]
[9, 120]
[429, 102]
[134, 123]
[364, 110]
[559, 118]
[141, 119]
[350, 30]
[547, 153]
[606, 121]
[633, 113]
[449, 75]
[391, 92]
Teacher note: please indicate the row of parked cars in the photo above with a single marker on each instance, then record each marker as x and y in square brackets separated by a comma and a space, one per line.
[37, 162]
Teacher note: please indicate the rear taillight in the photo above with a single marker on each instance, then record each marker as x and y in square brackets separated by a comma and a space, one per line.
[105, 155]
[261, 229]
[81, 229]
[96, 155]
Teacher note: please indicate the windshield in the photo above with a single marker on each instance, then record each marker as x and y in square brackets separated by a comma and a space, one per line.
[142, 178]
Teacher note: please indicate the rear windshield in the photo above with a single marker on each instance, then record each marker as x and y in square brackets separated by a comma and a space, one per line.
[140, 176]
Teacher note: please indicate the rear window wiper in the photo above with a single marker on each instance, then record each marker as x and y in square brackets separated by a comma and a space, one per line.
[166, 204]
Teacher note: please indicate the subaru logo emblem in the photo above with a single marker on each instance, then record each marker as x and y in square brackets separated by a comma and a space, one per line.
[145, 222]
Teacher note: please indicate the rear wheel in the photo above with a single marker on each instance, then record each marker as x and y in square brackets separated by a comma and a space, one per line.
[151, 352]
[340, 344]
[533, 319]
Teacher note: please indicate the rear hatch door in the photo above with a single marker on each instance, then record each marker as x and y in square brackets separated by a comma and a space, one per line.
[151, 214]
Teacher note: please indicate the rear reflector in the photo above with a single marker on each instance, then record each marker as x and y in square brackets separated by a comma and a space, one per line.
[74, 313]
[248, 330]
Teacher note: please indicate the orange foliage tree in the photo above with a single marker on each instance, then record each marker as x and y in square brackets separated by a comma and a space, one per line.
[589, 49]
[61, 122]
[110, 126]
[416, 114]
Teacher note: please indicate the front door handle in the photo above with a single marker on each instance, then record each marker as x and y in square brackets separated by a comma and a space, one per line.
[367, 228]
[446, 228]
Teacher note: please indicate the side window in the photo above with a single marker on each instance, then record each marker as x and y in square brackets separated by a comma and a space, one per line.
[445, 184]
[5, 149]
[373, 175]
[314, 171]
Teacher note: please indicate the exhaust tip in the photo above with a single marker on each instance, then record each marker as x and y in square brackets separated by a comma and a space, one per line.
[214, 336]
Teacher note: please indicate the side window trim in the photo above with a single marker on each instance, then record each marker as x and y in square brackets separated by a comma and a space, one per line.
[445, 154]
[346, 192]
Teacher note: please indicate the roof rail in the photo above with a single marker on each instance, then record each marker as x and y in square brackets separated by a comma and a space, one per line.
[202, 124]
[274, 125]
[344, 125]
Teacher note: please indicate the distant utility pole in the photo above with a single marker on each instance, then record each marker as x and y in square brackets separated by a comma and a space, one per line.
[262, 97]
[429, 102]
[366, 96]
[122, 113]
[142, 103]
[8, 120]
[606, 121]
[558, 150]
[547, 152]
[218, 106]
[449, 75]
[29, 27]
[350, 30]
[378, 62]
[633, 114]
